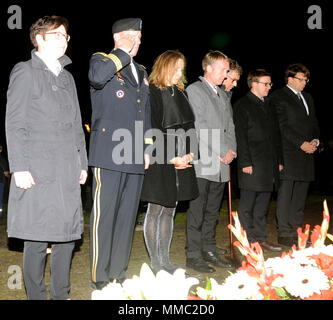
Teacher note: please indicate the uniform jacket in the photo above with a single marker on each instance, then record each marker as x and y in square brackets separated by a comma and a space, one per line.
[163, 184]
[215, 129]
[258, 143]
[45, 136]
[120, 113]
[296, 127]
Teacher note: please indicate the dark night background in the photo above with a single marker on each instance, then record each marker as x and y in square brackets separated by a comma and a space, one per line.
[268, 34]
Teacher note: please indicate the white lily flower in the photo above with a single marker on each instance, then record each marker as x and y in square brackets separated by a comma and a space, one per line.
[113, 291]
[133, 288]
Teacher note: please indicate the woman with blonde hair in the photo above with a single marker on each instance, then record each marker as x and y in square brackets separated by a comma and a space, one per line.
[172, 180]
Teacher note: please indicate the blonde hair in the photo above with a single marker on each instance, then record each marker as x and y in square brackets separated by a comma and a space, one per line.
[164, 67]
[211, 57]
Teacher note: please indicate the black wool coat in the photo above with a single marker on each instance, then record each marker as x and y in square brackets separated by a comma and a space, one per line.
[258, 143]
[296, 127]
[163, 184]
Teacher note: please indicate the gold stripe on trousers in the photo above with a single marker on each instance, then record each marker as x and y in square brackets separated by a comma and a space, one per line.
[97, 213]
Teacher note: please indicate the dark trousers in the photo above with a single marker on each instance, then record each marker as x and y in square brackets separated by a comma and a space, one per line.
[202, 217]
[290, 206]
[34, 258]
[112, 221]
[252, 211]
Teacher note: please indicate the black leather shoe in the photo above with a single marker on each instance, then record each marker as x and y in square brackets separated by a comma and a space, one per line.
[199, 265]
[99, 285]
[287, 241]
[215, 260]
[270, 246]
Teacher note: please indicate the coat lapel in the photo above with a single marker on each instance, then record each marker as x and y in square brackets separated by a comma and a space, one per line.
[208, 89]
[140, 72]
[127, 73]
[294, 97]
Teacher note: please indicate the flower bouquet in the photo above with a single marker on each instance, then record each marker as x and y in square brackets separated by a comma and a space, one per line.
[303, 274]
[147, 286]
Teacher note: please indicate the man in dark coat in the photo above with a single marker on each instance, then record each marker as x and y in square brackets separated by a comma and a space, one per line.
[259, 156]
[120, 116]
[47, 156]
[300, 134]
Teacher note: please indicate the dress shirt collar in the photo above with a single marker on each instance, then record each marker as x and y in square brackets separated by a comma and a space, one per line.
[53, 66]
[213, 87]
[293, 90]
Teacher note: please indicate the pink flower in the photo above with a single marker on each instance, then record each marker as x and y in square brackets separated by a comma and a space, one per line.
[325, 262]
[303, 237]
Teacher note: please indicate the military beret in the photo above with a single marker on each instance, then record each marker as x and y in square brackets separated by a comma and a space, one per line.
[127, 24]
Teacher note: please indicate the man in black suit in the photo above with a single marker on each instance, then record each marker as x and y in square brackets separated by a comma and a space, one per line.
[259, 156]
[300, 134]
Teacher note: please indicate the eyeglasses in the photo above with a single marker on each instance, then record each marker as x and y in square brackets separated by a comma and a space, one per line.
[60, 35]
[233, 80]
[306, 80]
[267, 84]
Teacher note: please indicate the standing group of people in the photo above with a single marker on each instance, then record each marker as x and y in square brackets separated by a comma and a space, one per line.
[276, 138]
[152, 140]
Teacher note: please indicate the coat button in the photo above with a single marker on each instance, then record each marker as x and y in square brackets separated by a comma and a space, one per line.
[54, 88]
[103, 129]
[137, 90]
[138, 101]
[139, 110]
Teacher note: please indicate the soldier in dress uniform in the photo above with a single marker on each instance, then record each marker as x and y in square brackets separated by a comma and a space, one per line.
[120, 117]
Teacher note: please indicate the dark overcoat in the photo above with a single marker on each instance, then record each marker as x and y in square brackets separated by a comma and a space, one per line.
[45, 136]
[296, 126]
[258, 143]
[163, 184]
